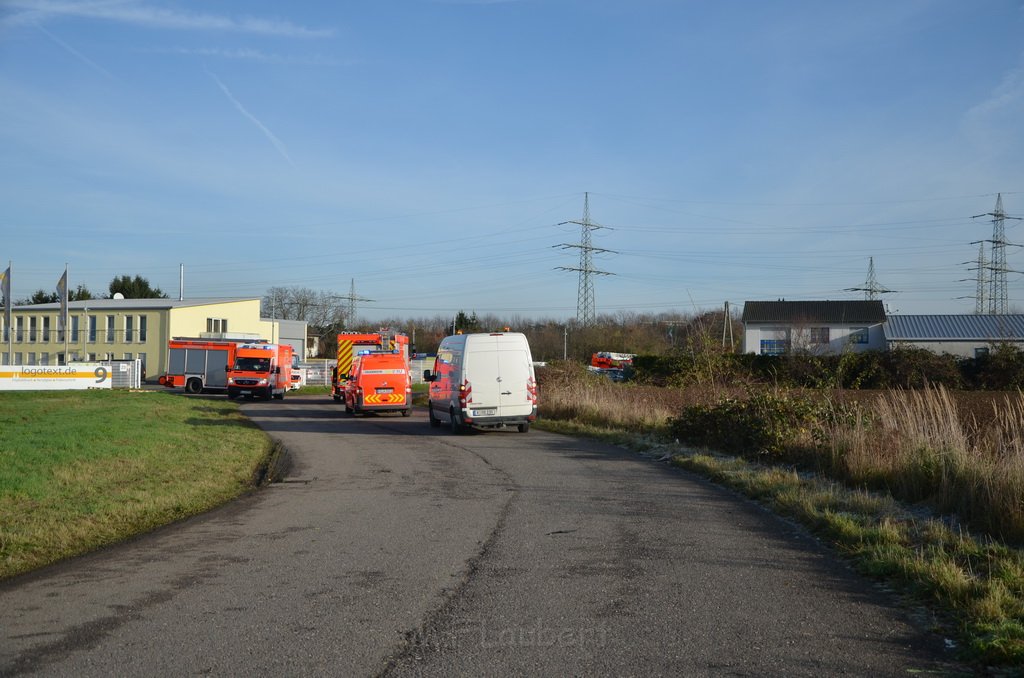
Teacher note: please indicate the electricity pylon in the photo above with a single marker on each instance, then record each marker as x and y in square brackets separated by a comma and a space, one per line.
[585, 305]
[871, 288]
[998, 302]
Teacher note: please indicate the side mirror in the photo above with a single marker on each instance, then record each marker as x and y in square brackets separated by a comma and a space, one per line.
[428, 376]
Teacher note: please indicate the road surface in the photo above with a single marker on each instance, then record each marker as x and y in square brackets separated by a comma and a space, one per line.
[394, 548]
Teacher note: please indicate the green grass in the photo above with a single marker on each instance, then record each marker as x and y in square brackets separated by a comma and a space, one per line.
[82, 469]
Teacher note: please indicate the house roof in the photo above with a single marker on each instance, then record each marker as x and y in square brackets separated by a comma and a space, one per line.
[122, 304]
[954, 327]
[847, 312]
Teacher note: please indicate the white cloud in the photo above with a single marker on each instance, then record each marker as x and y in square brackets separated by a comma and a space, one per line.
[142, 14]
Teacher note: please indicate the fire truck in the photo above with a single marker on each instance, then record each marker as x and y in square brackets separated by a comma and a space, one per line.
[351, 343]
[380, 382]
[263, 370]
[197, 364]
[607, 360]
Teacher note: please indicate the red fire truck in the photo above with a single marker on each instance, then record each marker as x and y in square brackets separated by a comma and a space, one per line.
[351, 343]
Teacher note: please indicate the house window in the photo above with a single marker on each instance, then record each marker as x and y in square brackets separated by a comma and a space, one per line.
[19, 330]
[858, 335]
[17, 358]
[74, 328]
[819, 335]
[129, 328]
[31, 358]
[92, 329]
[110, 329]
[142, 328]
[774, 347]
[33, 330]
[44, 358]
[45, 335]
[981, 352]
[217, 325]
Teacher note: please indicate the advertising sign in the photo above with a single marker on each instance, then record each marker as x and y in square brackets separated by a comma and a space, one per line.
[54, 377]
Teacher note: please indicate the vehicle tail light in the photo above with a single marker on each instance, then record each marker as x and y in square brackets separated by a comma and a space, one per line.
[531, 390]
[465, 393]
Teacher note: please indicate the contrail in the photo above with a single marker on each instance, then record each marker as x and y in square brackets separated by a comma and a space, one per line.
[263, 128]
[74, 52]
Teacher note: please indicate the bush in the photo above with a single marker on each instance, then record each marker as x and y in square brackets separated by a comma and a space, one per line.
[763, 424]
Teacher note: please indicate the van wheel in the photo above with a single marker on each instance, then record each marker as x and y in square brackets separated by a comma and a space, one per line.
[194, 386]
[434, 421]
[406, 413]
[455, 424]
[524, 428]
[348, 410]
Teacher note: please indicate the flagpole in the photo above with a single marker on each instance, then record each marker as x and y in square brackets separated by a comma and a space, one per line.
[8, 306]
[66, 312]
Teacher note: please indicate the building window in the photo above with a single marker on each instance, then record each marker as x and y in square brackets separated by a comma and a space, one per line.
[858, 335]
[31, 358]
[129, 328]
[44, 358]
[127, 356]
[45, 335]
[19, 330]
[92, 329]
[819, 335]
[110, 329]
[217, 325]
[142, 328]
[774, 347]
[74, 328]
[981, 352]
[17, 358]
[33, 330]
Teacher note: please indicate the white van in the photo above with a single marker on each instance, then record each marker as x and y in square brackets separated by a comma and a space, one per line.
[483, 381]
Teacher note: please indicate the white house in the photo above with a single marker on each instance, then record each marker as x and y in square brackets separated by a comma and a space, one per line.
[820, 327]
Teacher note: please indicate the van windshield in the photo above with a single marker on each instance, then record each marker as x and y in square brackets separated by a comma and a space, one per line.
[252, 364]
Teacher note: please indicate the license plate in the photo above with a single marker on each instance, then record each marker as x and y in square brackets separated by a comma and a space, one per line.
[487, 412]
[385, 390]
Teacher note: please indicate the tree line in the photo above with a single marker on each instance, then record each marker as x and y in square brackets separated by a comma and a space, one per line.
[327, 314]
[130, 287]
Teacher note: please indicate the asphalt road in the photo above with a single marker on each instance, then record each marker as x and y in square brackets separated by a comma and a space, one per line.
[395, 548]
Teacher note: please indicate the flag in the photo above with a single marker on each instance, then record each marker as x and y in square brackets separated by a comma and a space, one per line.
[62, 292]
[5, 286]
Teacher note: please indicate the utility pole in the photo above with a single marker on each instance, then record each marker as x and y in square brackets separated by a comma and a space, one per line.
[871, 288]
[585, 307]
[998, 301]
[727, 328]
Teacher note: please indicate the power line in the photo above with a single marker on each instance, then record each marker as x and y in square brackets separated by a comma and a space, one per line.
[586, 311]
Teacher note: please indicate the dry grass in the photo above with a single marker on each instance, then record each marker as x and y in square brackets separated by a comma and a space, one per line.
[920, 446]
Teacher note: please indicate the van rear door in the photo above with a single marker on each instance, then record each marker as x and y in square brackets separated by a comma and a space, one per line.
[515, 365]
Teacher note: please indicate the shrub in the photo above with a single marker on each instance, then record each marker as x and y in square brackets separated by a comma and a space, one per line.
[762, 424]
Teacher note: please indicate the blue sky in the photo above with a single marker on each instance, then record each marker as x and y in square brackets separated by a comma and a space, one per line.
[428, 149]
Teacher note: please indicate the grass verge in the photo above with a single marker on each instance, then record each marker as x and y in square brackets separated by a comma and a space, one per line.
[80, 470]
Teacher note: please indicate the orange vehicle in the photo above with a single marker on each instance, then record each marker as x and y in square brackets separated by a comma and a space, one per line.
[607, 360]
[352, 343]
[263, 370]
[380, 382]
[198, 365]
